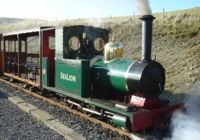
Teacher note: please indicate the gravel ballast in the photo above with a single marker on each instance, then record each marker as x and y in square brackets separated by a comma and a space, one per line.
[16, 124]
[84, 127]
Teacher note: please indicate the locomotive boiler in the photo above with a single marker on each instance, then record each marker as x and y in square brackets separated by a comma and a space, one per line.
[144, 78]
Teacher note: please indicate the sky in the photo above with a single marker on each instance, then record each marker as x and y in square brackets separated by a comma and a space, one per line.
[63, 9]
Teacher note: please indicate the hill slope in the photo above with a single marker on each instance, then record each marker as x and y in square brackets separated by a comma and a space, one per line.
[13, 24]
[4, 20]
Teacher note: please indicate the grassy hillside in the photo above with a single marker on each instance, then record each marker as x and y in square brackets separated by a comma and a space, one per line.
[176, 41]
[4, 20]
[13, 24]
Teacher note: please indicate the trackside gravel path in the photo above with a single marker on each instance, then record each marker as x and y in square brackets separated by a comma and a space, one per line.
[18, 125]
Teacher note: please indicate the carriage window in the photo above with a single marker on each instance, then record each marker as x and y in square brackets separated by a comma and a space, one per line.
[16, 46]
[12, 45]
[51, 42]
[6, 46]
[9, 45]
[23, 46]
[33, 44]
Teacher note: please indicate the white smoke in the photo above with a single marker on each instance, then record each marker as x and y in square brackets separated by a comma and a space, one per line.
[186, 125]
[143, 7]
[97, 22]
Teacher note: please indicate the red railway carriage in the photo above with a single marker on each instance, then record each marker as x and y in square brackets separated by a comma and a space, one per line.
[21, 54]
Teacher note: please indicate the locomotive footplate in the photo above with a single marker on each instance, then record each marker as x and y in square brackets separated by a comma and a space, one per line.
[125, 107]
[124, 115]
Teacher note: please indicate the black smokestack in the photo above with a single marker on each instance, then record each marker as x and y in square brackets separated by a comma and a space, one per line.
[146, 36]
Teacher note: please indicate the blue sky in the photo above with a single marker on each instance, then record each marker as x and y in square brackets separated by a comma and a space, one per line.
[62, 9]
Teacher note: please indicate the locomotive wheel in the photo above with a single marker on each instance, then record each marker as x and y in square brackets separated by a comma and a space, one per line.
[88, 113]
[25, 85]
[125, 129]
[11, 80]
[71, 106]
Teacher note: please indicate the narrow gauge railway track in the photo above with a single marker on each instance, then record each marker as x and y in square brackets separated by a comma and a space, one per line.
[61, 105]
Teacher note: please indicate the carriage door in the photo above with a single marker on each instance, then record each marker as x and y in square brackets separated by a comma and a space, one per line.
[48, 55]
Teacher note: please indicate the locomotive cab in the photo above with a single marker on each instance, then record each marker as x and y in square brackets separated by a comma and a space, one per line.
[81, 42]
[76, 46]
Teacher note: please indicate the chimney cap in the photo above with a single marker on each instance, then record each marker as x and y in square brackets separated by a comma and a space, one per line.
[147, 17]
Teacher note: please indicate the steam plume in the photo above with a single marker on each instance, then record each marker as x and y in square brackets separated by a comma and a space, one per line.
[97, 22]
[186, 125]
[144, 7]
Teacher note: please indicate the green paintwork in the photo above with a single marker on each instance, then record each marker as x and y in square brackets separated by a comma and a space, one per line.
[73, 76]
[111, 74]
[119, 121]
[44, 71]
[109, 106]
[96, 102]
